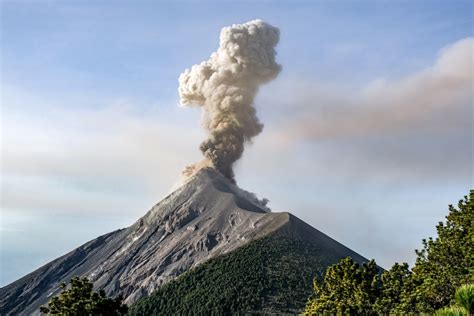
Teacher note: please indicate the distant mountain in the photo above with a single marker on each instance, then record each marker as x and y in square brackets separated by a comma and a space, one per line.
[208, 217]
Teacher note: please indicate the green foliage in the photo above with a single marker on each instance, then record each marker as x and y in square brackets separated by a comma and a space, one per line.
[464, 297]
[266, 276]
[347, 288]
[80, 299]
[452, 311]
[444, 264]
[394, 284]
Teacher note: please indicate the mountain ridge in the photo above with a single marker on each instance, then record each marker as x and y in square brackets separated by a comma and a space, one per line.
[206, 217]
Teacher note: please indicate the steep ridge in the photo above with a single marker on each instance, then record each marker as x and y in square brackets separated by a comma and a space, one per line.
[204, 218]
[271, 275]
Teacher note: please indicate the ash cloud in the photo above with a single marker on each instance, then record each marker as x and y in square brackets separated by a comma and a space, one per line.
[403, 129]
[225, 87]
[437, 98]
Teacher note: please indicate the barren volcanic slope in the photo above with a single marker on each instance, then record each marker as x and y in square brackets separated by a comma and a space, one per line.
[205, 218]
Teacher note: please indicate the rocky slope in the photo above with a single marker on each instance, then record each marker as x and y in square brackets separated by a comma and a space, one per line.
[205, 218]
[271, 275]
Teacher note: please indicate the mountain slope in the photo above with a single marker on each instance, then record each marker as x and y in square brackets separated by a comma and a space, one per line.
[270, 275]
[205, 218]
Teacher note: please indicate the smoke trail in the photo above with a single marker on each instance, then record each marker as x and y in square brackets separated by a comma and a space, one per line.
[225, 87]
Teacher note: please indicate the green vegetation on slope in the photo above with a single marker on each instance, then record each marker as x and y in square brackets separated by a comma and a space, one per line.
[268, 275]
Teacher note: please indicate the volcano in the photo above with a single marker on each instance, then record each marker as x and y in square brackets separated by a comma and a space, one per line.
[207, 217]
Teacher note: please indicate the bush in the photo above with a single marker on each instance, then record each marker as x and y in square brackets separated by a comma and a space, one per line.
[452, 311]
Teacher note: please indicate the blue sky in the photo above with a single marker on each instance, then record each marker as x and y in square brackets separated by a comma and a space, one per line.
[368, 129]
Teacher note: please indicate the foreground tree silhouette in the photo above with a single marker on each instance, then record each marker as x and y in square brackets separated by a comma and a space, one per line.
[80, 299]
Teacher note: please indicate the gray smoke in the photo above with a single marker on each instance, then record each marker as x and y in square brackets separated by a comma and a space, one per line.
[225, 87]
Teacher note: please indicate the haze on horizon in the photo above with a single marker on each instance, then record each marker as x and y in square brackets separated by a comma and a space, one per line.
[368, 128]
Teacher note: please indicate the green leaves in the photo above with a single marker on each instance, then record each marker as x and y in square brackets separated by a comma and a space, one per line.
[464, 297]
[80, 299]
[442, 265]
[464, 306]
[347, 288]
[452, 311]
[395, 283]
[445, 262]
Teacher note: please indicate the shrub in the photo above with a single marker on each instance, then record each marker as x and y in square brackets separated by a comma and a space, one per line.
[452, 311]
[465, 297]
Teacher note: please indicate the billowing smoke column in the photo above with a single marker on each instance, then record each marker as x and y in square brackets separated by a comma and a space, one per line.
[225, 87]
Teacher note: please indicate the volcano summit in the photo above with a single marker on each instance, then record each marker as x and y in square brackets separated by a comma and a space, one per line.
[205, 218]
[208, 223]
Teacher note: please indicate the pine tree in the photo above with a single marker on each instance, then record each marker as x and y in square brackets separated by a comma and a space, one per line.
[445, 262]
[80, 299]
[347, 288]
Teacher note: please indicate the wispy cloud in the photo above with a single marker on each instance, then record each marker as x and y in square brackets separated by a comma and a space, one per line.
[106, 158]
[410, 126]
[70, 158]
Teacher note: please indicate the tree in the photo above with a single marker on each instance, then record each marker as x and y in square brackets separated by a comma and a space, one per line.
[347, 288]
[394, 283]
[80, 299]
[446, 262]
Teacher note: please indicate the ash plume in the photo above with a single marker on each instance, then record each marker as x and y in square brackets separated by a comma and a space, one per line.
[225, 87]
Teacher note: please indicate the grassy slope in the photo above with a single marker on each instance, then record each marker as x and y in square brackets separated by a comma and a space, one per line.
[272, 274]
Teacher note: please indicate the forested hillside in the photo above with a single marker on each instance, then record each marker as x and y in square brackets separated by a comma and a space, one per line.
[267, 275]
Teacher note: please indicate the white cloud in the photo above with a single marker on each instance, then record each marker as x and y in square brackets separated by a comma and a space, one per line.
[66, 160]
